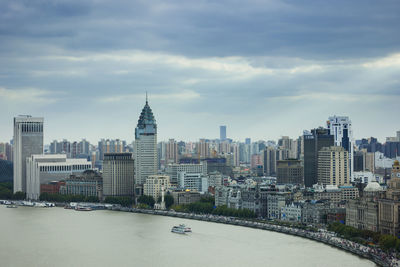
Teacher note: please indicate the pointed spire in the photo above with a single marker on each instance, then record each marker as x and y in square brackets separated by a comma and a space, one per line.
[146, 98]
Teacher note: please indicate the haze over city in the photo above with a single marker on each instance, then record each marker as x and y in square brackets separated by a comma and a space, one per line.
[264, 69]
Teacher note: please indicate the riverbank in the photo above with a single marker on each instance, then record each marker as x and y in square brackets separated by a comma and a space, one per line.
[375, 255]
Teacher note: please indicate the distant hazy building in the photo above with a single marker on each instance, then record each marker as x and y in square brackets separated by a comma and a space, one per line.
[171, 152]
[313, 142]
[43, 169]
[155, 184]
[222, 132]
[340, 128]
[28, 140]
[146, 162]
[118, 174]
[333, 166]
[173, 169]
[290, 172]
[269, 161]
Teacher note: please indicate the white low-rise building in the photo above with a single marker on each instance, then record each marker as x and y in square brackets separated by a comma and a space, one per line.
[193, 181]
[155, 184]
[291, 213]
[42, 169]
[365, 177]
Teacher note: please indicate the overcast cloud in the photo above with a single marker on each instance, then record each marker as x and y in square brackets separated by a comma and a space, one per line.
[263, 68]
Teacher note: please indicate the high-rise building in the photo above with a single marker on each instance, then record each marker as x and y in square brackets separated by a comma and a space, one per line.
[145, 151]
[270, 161]
[222, 132]
[203, 148]
[171, 151]
[333, 166]
[118, 174]
[313, 142]
[28, 140]
[340, 128]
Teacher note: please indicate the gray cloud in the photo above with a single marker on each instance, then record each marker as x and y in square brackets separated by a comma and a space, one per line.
[264, 68]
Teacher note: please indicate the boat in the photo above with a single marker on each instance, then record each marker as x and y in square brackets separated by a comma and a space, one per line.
[187, 229]
[12, 206]
[80, 208]
[178, 230]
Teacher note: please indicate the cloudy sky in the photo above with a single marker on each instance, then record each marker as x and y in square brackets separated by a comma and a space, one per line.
[263, 68]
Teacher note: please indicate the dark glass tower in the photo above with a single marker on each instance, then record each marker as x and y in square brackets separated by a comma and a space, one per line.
[314, 141]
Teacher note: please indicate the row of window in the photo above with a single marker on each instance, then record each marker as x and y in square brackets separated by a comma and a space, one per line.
[31, 127]
[65, 168]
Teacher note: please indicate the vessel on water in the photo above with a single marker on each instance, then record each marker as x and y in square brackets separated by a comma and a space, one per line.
[186, 229]
[181, 229]
[178, 230]
[12, 206]
[80, 208]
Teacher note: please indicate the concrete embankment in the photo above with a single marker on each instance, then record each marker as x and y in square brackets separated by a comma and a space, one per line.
[265, 226]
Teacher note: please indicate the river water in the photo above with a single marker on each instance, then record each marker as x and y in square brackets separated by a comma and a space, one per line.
[59, 237]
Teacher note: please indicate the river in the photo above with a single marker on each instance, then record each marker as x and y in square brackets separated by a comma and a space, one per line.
[59, 237]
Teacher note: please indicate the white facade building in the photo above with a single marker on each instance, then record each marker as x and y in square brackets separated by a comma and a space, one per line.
[365, 177]
[173, 169]
[42, 169]
[340, 127]
[155, 184]
[28, 140]
[291, 213]
[193, 181]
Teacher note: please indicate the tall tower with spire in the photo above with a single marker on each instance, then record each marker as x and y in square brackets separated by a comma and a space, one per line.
[145, 146]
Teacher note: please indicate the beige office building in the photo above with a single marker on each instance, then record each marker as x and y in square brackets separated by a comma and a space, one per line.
[333, 166]
[155, 184]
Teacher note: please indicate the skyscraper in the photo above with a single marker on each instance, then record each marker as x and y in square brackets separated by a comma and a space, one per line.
[118, 174]
[28, 140]
[333, 166]
[145, 147]
[314, 141]
[222, 132]
[340, 128]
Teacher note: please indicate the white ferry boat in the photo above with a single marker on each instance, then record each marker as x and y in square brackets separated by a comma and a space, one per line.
[178, 230]
[186, 229]
[181, 229]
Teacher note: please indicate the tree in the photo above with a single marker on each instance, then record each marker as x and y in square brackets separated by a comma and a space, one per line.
[169, 200]
[148, 200]
[19, 195]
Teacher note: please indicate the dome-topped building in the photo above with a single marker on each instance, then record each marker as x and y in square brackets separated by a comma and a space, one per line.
[145, 147]
[373, 187]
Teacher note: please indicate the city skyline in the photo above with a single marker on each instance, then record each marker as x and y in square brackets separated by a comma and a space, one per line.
[264, 69]
[129, 139]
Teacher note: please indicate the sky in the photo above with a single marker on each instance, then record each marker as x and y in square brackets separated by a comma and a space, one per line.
[264, 69]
